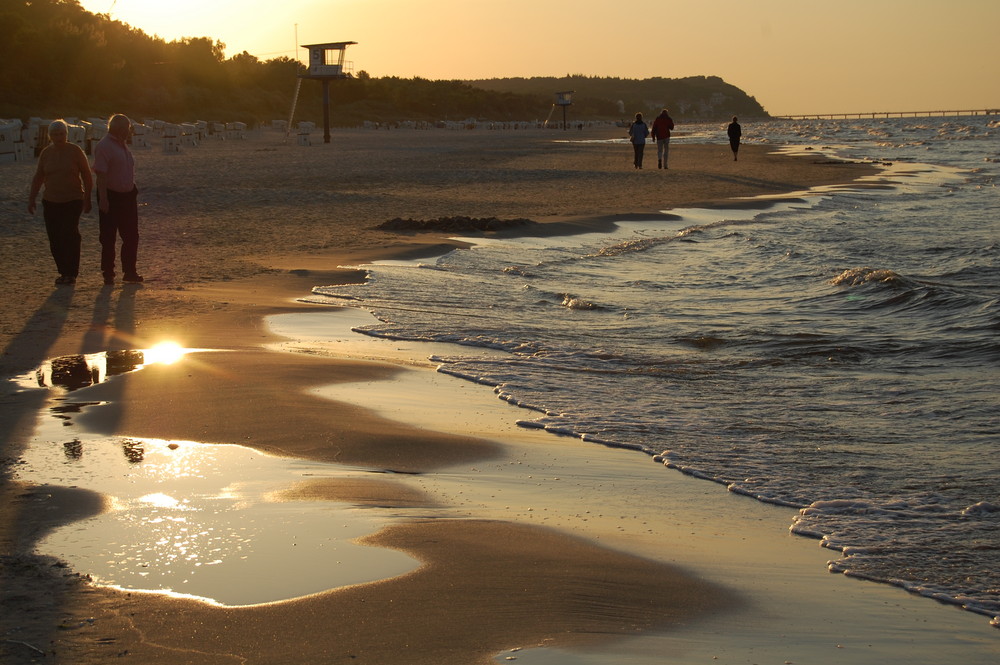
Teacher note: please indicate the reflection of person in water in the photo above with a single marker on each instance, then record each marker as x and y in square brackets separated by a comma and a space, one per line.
[71, 372]
[73, 449]
[120, 362]
[133, 450]
[79, 371]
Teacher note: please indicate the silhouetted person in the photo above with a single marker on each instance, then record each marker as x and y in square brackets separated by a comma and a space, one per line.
[735, 132]
[63, 170]
[661, 134]
[117, 200]
[637, 132]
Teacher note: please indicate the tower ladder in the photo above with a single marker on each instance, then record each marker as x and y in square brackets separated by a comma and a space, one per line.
[295, 100]
[551, 111]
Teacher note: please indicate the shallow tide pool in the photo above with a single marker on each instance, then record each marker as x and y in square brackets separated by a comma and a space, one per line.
[223, 523]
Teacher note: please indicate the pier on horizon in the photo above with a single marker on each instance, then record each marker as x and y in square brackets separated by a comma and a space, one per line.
[886, 114]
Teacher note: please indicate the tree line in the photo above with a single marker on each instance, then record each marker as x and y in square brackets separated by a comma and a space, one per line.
[57, 59]
[691, 98]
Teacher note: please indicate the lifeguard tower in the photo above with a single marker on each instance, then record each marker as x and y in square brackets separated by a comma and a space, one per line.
[564, 99]
[326, 63]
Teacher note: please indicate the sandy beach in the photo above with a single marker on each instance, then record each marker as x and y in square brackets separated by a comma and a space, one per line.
[233, 232]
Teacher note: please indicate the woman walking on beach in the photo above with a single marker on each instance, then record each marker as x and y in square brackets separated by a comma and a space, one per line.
[65, 174]
[638, 131]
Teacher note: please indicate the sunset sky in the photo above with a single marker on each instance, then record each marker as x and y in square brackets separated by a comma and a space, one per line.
[794, 56]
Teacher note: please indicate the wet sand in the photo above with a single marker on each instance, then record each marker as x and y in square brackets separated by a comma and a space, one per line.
[234, 232]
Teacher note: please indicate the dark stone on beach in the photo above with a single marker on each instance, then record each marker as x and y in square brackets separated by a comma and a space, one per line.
[453, 224]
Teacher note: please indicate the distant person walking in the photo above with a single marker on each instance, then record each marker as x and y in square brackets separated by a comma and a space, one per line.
[117, 200]
[735, 132]
[63, 170]
[637, 132]
[661, 134]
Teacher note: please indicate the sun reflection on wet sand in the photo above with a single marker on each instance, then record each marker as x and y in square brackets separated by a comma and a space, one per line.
[160, 500]
[86, 369]
[216, 522]
[180, 524]
[166, 353]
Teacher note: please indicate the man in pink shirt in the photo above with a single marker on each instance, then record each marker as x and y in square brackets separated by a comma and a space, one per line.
[117, 195]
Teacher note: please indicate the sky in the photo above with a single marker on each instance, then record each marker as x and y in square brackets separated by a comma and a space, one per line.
[793, 56]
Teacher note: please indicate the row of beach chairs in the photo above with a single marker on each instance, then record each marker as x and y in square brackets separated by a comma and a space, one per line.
[22, 142]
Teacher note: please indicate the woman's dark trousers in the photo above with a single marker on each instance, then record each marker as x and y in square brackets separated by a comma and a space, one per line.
[62, 224]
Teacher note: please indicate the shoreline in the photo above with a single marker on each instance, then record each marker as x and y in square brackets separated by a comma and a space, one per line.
[786, 605]
[233, 310]
[227, 210]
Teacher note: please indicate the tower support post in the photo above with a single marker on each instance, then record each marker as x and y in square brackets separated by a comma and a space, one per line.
[326, 110]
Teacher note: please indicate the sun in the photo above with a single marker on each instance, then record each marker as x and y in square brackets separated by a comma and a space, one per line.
[165, 353]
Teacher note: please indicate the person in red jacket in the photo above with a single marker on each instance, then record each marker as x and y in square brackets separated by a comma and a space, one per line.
[661, 134]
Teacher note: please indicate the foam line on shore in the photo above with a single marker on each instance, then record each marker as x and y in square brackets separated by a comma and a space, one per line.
[795, 611]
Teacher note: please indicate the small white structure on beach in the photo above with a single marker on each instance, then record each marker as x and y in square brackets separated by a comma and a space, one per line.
[189, 134]
[171, 137]
[77, 134]
[305, 132]
[236, 130]
[140, 135]
[10, 136]
[98, 128]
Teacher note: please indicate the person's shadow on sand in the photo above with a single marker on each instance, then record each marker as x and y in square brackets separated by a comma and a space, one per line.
[28, 513]
[106, 334]
[18, 416]
[29, 348]
[32, 344]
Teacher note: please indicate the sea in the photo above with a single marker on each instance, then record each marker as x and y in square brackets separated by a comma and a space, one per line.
[834, 350]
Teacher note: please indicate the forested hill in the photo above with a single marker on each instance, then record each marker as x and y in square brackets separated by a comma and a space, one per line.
[59, 60]
[693, 97]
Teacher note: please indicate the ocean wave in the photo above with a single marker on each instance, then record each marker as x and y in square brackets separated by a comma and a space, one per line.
[329, 298]
[567, 300]
[861, 276]
[572, 302]
[907, 534]
[519, 271]
[630, 246]
[982, 508]
[703, 342]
